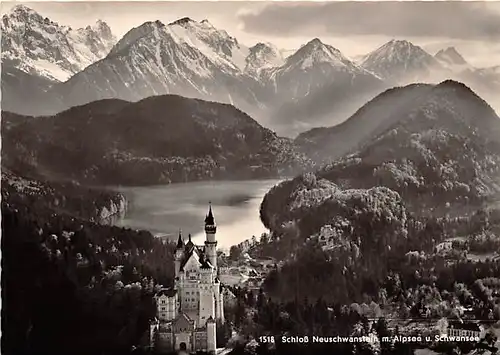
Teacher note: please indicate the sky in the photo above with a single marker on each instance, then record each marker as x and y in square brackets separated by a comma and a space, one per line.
[355, 28]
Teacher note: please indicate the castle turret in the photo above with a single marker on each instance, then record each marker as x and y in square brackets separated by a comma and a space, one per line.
[179, 253]
[211, 242]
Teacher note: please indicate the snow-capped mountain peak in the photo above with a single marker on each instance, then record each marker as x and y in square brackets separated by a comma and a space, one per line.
[182, 21]
[21, 16]
[103, 29]
[185, 57]
[37, 45]
[397, 51]
[398, 58]
[214, 43]
[24, 10]
[134, 35]
[453, 60]
[316, 52]
[450, 55]
[263, 56]
[207, 23]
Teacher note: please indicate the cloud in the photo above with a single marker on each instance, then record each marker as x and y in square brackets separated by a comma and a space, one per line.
[444, 19]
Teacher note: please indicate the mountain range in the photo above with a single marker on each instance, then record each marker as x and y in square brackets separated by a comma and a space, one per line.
[288, 92]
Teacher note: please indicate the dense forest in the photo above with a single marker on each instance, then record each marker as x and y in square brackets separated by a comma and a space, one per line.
[374, 235]
[70, 286]
[266, 320]
[412, 293]
[366, 249]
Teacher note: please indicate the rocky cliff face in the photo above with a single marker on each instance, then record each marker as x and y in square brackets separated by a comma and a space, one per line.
[117, 207]
[43, 48]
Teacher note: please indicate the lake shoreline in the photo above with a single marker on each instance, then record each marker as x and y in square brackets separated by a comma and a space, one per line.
[164, 210]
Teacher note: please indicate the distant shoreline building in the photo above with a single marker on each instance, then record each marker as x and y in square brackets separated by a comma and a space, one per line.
[188, 311]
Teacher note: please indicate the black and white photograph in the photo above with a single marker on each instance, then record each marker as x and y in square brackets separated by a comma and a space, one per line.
[250, 177]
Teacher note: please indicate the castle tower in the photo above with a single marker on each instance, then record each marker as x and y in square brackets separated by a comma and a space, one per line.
[211, 336]
[211, 242]
[179, 253]
[207, 304]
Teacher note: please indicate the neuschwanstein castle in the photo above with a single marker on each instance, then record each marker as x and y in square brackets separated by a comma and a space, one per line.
[188, 311]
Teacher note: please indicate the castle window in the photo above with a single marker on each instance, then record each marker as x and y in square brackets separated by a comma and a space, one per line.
[162, 308]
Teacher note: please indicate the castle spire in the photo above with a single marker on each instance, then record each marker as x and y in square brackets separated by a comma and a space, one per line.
[211, 241]
[209, 219]
[180, 242]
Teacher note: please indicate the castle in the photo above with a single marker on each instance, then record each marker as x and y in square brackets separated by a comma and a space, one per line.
[188, 311]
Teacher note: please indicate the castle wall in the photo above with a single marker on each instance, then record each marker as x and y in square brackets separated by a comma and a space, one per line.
[183, 338]
[190, 296]
[164, 341]
[200, 340]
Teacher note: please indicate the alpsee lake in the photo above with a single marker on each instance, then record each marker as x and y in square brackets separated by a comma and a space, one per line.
[166, 209]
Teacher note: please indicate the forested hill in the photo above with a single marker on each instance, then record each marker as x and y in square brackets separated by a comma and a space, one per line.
[390, 109]
[158, 140]
[439, 161]
[439, 156]
[71, 286]
[63, 198]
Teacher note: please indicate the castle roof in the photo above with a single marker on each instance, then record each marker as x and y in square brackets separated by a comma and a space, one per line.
[183, 321]
[169, 292]
[189, 244]
[190, 248]
[205, 264]
[194, 249]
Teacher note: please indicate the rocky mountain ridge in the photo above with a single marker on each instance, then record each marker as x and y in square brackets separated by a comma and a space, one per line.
[315, 85]
[41, 47]
[195, 59]
[400, 60]
[398, 63]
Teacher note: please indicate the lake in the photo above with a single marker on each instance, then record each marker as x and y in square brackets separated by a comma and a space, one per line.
[163, 210]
